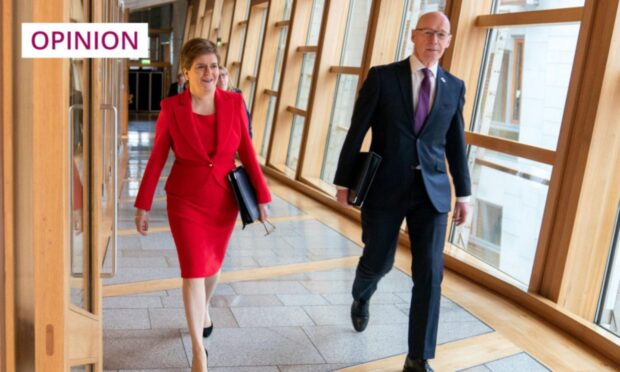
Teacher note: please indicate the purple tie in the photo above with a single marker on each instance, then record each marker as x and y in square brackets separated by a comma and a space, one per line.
[421, 111]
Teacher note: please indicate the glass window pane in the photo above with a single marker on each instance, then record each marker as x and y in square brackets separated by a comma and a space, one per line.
[415, 9]
[268, 124]
[242, 43]
[510, 6]
[288, 5]
[305, 80]
[608, 315]
[315, 22]
[526, 76]
[261, 37]
[508, 195]
[279, 59]
[294, 143]
[355, 34]
[346, 90]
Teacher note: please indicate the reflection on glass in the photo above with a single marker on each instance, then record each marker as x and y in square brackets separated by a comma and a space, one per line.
[251, 98]
[511, 6]
[305, 80]
[292, 157]
[279, 59]
[242, 43]
[508, 195]
[608, 315]
[315, 22]
[260, 41]
[268, 124]
[526, 75]
[79, 83]
[287, 9]
[346, 90]
[355, 33]
[414, 9]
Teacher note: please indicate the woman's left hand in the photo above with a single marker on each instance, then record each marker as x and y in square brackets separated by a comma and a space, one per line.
[264, 212]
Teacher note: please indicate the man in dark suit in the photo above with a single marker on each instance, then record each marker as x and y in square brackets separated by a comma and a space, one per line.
[177, 87]
[414, 109]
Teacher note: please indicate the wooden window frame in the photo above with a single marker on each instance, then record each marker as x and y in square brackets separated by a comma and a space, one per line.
[517, 79]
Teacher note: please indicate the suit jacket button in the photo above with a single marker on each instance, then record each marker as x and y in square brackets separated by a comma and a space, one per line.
[210, 165]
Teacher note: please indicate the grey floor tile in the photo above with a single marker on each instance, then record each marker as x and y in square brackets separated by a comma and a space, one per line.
[325, 287]
[480, 368]
[378, 298]
[168, 253]
[249, 252]
[245, 369]
[341, 315]
[168, 318]
[275, 261]
[338, 274]
[232, 347]
[272, 316]
[131, 302]
[172, 301]
[157, 370]
[453, 331]
[302, 299]
[143, 350]
[175, 318]
[126, 319]
[341, 344]
[130, 274]
[517, 362]
[269, 287]
[239, 263]
[245, 301]
[125, 262]
[313, 368]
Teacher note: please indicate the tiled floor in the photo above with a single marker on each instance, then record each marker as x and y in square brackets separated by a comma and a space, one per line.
[298, 322]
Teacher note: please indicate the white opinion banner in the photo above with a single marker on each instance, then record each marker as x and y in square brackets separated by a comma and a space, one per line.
[85, 40]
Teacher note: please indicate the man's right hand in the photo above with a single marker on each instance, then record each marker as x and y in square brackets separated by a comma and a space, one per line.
[342, 195]
[142, 221]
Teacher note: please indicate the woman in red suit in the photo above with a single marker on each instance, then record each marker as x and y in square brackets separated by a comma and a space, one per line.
[205, 127]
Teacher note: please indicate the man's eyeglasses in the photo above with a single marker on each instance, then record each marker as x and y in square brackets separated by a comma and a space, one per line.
[268, 229]
[429, 33]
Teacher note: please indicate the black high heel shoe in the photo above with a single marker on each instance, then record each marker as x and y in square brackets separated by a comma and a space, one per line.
[206, 331]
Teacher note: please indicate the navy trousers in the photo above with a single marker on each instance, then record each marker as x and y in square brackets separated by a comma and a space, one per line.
[427, 231]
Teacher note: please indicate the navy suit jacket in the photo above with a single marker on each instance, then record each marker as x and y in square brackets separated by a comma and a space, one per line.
[385, 105]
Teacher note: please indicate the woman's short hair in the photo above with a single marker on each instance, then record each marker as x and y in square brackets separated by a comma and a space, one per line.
[195, 48]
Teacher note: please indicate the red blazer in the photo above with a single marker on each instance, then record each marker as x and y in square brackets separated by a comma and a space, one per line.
[193, 170]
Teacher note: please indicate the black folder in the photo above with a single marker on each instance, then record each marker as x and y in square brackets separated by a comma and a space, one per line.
[366, 166]
[245, 195]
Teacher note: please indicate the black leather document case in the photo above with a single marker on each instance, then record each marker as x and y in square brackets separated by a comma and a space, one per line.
[366, 164]
[244, 195]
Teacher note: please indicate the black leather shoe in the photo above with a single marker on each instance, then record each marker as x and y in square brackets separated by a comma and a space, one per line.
[360, 315]
[416, 365]
[206, 331]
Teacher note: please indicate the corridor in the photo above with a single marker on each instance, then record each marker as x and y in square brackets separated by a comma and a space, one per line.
[283, 301]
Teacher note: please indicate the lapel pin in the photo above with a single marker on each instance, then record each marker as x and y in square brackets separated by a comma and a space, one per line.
[442, 79]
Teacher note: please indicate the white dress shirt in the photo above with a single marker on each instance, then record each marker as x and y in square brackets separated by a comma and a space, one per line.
[416, 80]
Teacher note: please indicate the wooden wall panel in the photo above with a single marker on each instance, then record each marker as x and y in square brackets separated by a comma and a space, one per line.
[593, 172]
[7, 335]
[289, 83]
[317, 122]
[266, 71]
